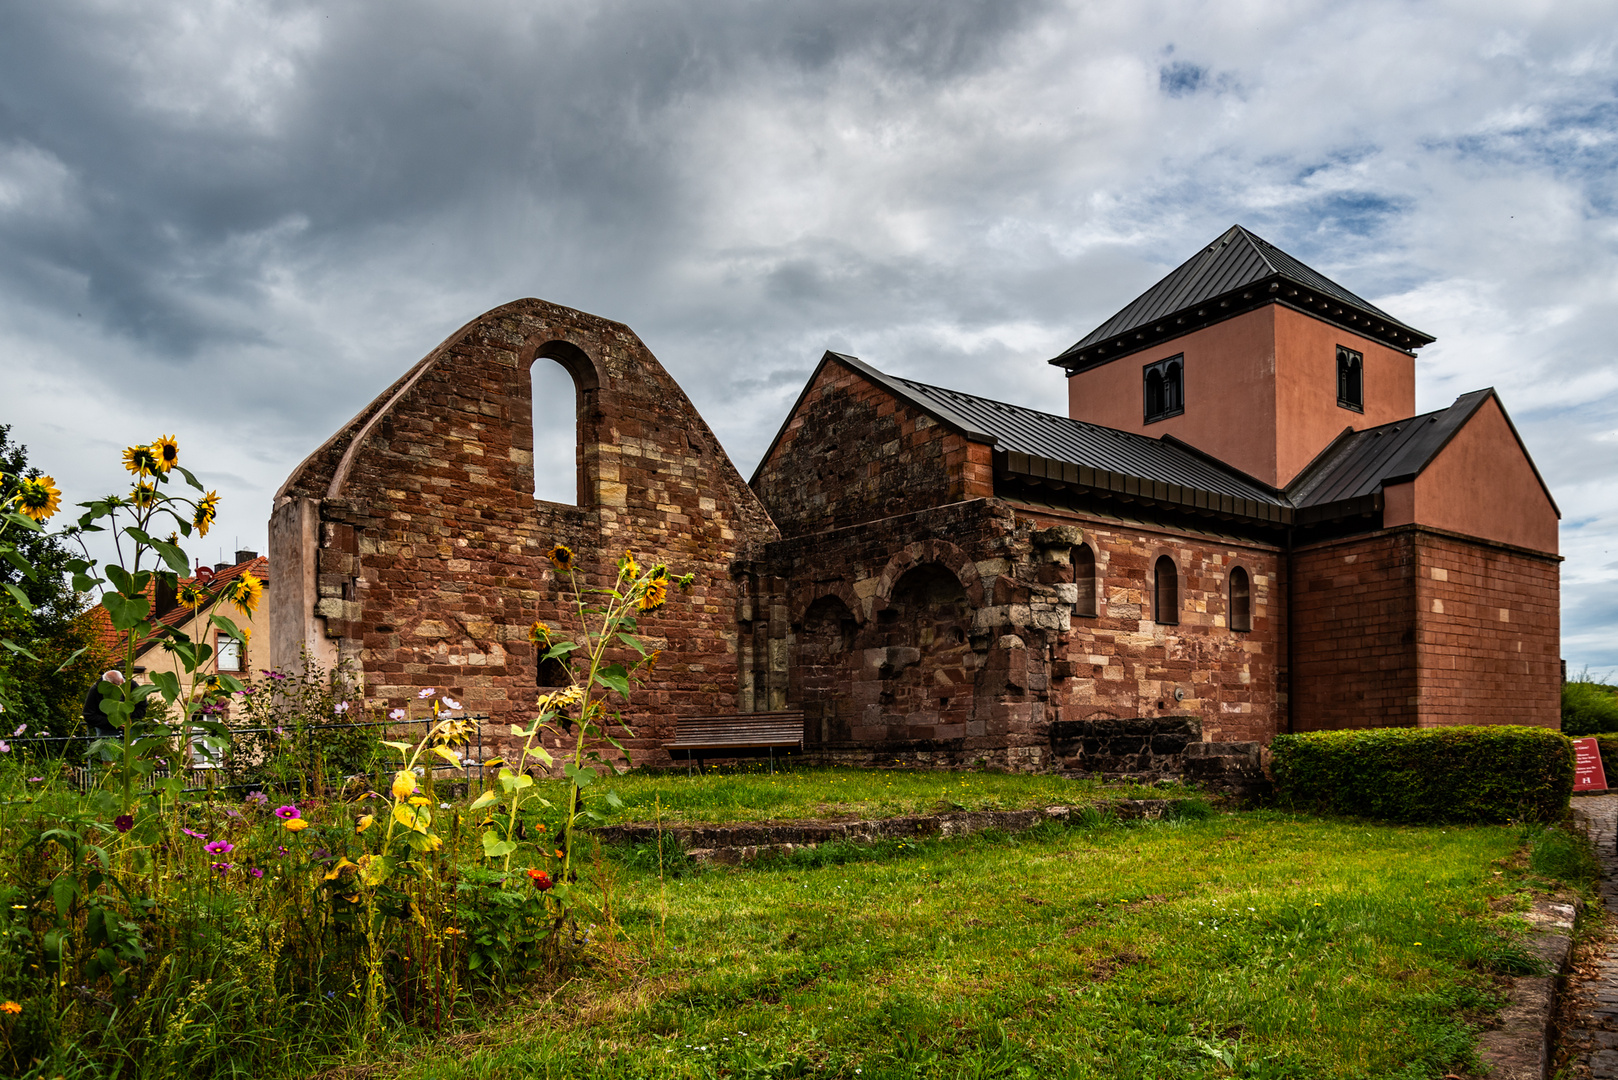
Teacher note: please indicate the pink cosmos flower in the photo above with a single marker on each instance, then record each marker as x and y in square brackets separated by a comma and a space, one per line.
[256, 871]
[451, 703]
[219, 847]
[222, 868]
[340, 708]
[429, 692]
[287, 813]
[396, 714]
[123, 822]
[194, 834]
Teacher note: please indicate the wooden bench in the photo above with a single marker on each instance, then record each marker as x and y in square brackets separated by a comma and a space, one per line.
[705, 736]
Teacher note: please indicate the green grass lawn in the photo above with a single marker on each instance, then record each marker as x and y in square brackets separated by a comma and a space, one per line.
[1251, 944]
[718, 797]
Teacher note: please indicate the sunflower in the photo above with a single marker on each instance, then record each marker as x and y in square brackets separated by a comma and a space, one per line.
[207, 510]
[143, 494]
[655, 596]
[561, 557]
[38, 498]
[628, 568]
[140, 460]
[167, 452]
[245, 592]
[539, 633]
[192, 595]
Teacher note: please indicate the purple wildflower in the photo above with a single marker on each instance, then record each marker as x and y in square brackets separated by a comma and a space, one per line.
[36, 779]
[195, 835]
[123, 822]
[20, 729]
[222, 868]
[219, 847]
[256, 872]
[287, 813]
[258, 798]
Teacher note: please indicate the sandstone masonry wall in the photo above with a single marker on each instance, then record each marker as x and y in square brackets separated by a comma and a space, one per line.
[430, 561]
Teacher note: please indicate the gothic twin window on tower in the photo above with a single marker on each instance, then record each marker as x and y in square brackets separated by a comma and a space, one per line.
[1165, 388]
[1350, 379]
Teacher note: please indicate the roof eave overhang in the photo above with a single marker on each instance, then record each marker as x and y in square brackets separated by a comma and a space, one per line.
[1275, 289]
[1049, 472]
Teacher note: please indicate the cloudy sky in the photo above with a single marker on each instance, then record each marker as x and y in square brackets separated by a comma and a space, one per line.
[239, 220]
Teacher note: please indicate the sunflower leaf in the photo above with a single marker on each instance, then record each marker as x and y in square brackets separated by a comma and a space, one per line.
[192, 480]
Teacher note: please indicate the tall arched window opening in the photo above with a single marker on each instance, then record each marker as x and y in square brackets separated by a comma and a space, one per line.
[1350, 379]
[555, 407]
[1084, 576]
[1165, 592]
[1165, 388]
[1241, 600]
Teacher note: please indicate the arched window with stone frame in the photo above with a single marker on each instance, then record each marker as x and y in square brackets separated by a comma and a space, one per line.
[1084, 576]
[1165, 592]
[1241, 600]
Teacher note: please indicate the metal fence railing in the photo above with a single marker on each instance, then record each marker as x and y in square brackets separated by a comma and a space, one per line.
[320, 756]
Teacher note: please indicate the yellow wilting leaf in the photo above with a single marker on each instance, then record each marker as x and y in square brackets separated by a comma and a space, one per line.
[342, 864]
[405, 815]
[404, 784]
[448, 755]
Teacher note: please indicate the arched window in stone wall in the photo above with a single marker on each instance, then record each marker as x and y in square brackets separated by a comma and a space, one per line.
[555, 414]
[1084, 576]
[1165, 592]
[822, 670]
[929, 669]
[1241, 600]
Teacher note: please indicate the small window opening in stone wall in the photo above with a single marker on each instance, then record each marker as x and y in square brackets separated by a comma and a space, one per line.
[1165, 592]
[1350, 379]
[1084, 576]
[556, 432]
[1241, 600]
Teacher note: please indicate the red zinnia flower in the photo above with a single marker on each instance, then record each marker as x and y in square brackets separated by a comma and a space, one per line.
[541, 879]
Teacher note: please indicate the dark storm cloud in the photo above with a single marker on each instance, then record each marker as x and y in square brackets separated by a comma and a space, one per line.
[263, 212]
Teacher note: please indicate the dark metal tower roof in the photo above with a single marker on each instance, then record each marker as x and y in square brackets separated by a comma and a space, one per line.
[1237, 272]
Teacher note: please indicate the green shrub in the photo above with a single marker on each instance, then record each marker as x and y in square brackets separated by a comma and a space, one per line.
[1488, 774]
[1589, 708]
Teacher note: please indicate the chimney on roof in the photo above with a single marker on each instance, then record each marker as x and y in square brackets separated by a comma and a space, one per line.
[246, 556]
[221, 567]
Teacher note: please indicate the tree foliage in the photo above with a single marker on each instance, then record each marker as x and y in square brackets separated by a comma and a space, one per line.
[40, 691]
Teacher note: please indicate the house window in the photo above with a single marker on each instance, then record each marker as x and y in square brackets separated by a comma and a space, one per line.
[1165, 388]
[1241, 600]
[229, 651]
[1350, 379]
[1166, 592]
[1084, 576]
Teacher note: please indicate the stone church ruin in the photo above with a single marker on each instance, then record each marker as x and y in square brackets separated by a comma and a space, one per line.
[1240, 528]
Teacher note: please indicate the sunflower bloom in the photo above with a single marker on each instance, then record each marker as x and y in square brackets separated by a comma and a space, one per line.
[140, 460]
[655, 596]
[539, 633]
[166, 451]
[246, 592]
[38, 498]
[192, 595]
[561, 557]
[143, 494]
[207, 510]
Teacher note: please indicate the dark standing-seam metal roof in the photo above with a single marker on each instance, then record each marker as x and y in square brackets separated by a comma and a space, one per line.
[1362, 462]
[1236, 261]
[1028, 431]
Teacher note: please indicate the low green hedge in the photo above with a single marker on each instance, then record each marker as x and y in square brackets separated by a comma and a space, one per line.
[1608, 745]
[1589, 708]
[1488, 774]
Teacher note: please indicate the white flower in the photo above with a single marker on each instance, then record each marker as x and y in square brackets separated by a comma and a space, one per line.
[450, 703]
[5, 747]
[340, 708]
[443, 806]
[396, 714]
[20, 729]
[429, 692]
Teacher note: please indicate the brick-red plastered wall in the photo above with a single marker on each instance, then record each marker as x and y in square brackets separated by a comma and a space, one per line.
[1488, 631]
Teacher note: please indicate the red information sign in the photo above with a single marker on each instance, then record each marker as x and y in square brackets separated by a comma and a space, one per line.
[1588, 775]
